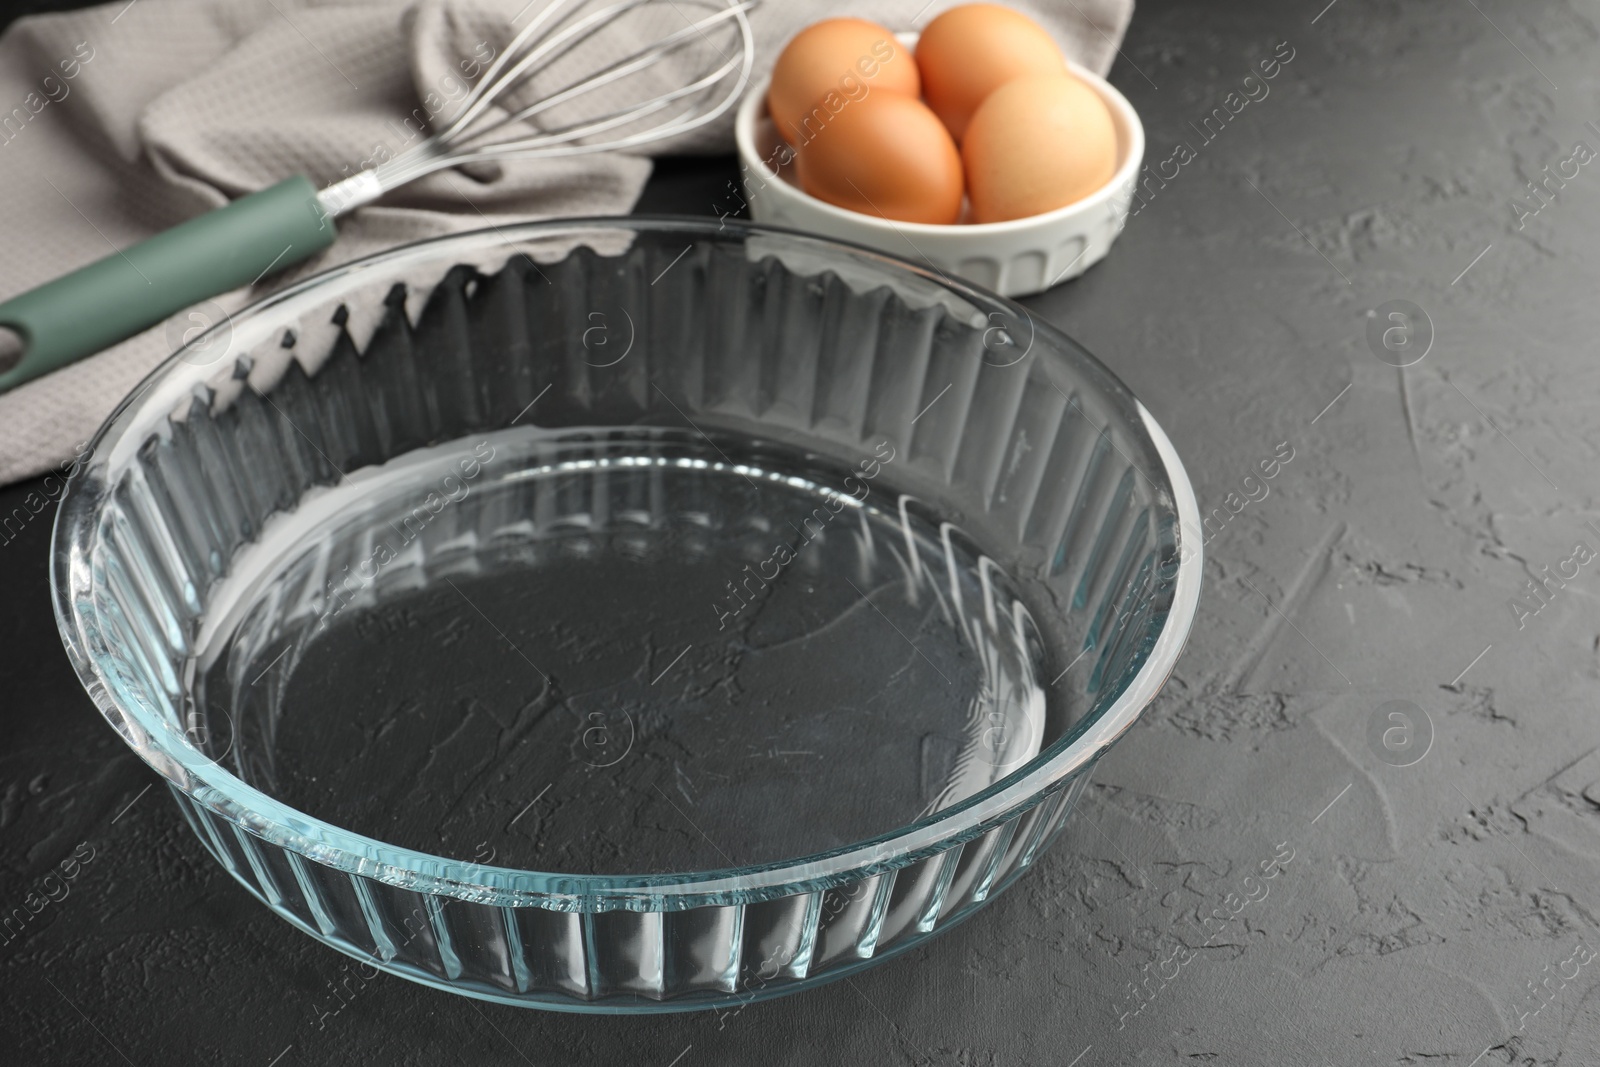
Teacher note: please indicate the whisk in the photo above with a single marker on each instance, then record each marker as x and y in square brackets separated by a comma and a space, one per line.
[131, 290]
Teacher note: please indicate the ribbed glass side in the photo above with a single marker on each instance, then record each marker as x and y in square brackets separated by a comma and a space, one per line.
[630, 960]
[1022, 512]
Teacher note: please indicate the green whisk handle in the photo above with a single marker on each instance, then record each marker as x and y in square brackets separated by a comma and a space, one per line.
[110, 300]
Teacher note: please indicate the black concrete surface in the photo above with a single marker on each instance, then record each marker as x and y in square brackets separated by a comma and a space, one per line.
[1441, 902]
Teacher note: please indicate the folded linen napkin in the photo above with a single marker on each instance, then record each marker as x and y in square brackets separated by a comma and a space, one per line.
[119, 121]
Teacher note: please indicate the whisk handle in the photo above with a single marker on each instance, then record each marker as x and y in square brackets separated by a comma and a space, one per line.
[114, 298]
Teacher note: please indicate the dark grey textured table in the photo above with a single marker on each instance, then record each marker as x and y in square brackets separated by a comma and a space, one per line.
[1427, 911]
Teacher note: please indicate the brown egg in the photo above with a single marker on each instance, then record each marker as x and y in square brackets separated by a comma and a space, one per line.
[885, 155]
[833, 62]
[1036, 144]
[970, 51]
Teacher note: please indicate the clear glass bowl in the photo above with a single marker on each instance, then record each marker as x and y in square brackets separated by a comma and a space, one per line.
[627, 615]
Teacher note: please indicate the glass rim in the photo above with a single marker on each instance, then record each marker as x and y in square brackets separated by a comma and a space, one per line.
[186, 768]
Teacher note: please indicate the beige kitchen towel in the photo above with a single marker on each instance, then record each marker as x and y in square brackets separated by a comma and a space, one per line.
[119, 121]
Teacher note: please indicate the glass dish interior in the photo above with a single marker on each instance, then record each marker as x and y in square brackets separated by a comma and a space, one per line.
[623, 565]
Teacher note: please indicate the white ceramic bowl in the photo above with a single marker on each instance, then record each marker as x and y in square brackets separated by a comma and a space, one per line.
[1013, 258]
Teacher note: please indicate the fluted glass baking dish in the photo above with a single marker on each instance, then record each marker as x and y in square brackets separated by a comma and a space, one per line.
[627, 615]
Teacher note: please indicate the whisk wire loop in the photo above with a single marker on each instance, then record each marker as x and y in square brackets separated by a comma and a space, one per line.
[553, 33]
